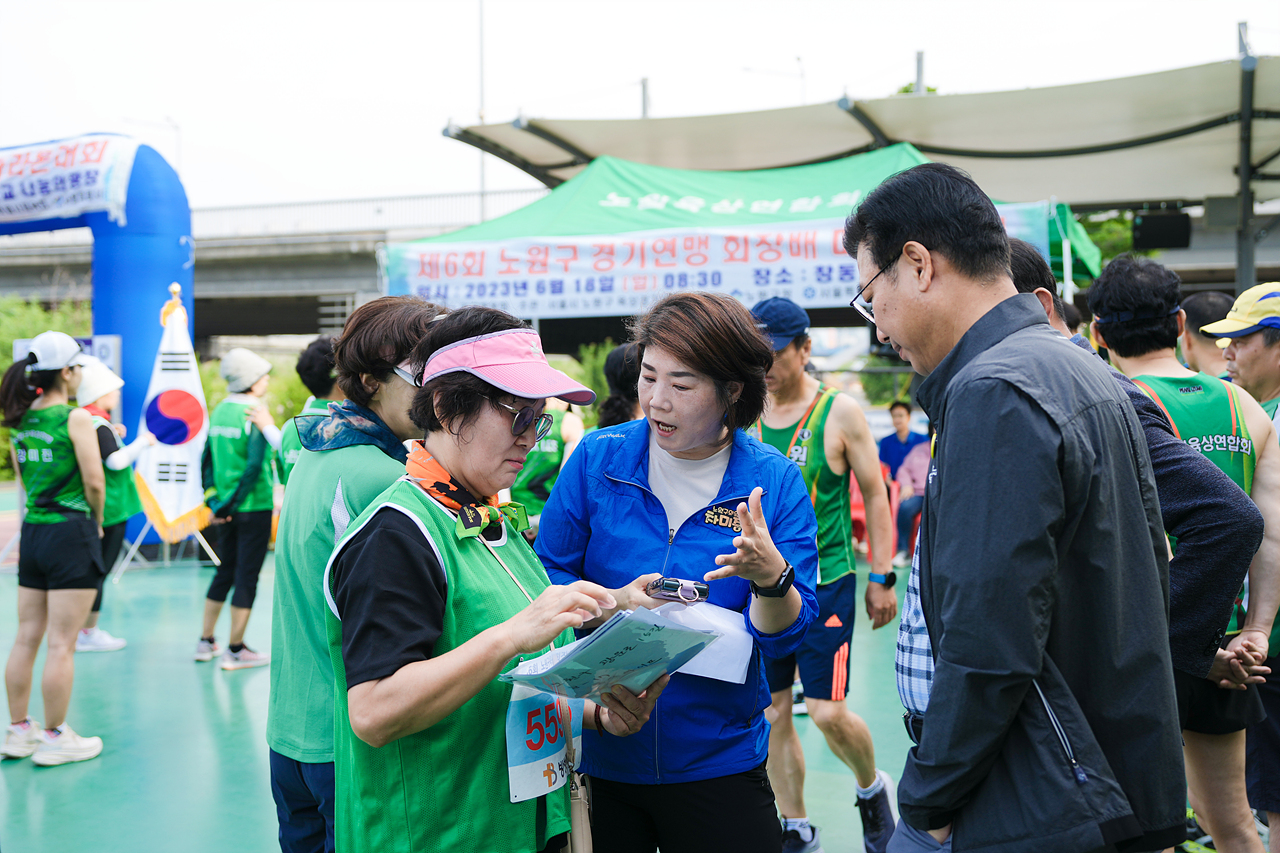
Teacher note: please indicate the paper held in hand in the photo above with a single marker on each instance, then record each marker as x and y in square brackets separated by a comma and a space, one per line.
[632, 649]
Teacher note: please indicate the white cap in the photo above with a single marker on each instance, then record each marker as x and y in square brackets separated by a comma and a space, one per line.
[96, 381]
[54, 351]
[241, 368]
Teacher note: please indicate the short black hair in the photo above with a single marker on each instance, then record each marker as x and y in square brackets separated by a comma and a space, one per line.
[315, 367]
[453, 401]
[900, 404]
[1030, 272]
[717, 336]
[1135, 304]
[938, 206]
[1208, 306]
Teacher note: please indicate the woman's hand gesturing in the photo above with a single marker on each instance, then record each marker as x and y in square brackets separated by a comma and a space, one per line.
[756, 558]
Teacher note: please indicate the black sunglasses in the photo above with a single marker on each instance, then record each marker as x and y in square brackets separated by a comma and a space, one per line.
[524, 417]
[862, 305]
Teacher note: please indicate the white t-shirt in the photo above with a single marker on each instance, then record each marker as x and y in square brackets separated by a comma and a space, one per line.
[685, 486]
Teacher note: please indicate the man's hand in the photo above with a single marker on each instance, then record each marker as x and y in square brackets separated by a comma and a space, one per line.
[121, 429]
[941, 835]
[905, 492]
[882, 604]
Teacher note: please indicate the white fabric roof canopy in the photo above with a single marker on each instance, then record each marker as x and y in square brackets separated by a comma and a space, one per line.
[1020, 134]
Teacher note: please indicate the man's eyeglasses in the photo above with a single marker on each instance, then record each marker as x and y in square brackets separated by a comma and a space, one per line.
[863, 305]
[524, 417]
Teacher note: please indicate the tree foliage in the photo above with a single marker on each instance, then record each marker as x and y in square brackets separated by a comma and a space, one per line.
[23, 318]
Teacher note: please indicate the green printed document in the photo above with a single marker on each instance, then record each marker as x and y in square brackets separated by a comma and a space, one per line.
[633, 649]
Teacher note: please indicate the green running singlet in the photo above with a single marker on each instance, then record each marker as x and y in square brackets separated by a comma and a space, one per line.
[802, 443]
[47, 459]
[1205, 413]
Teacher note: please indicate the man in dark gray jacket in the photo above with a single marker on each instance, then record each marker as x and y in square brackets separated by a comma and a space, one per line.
[1041, 574]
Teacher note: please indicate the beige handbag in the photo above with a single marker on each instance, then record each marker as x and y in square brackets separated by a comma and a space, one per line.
[579, 804]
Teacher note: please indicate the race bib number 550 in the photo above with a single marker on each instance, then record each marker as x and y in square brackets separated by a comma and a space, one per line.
[536, 742]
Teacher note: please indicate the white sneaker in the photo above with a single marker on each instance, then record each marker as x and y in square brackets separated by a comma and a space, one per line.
[20, 741]
[65, 747]
[207, 651]
[243, 659]
[901, 559]
[97, 640]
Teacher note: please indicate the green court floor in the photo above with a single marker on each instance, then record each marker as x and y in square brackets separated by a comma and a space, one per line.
[185, 761]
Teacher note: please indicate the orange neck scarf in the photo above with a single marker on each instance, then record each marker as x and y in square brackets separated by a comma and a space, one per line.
[474, 515]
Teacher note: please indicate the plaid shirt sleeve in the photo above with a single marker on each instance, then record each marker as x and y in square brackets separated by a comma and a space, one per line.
[914, 659]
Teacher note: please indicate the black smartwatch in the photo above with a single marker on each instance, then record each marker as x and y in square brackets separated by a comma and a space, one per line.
[888, 580]
[783, 587]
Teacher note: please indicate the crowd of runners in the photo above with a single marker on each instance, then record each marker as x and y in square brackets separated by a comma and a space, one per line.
[1091, 560]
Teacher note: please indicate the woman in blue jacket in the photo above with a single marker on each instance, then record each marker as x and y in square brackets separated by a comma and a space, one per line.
[686, 493]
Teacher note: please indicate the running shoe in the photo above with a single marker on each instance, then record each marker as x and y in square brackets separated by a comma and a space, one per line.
[20, 741]
[65, 747]
[243, 659]
[877, 817]
[793, 843]
[207, 650]
[901, 559]
[799, 707]
[97, 640]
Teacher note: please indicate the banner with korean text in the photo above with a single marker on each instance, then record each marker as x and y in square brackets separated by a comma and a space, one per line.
[622, 274]
[66, 177]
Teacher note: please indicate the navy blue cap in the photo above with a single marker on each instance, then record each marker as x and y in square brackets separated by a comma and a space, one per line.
[782, 320]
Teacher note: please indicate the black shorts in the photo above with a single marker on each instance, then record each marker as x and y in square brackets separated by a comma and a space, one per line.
[1207, 709]
[823, 657]
[65, 555]
[1262, 750]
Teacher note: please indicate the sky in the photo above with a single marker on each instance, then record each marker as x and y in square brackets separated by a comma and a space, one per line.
[265, 101]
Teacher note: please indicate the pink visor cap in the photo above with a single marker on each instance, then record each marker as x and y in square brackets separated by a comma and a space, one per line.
[512, 361]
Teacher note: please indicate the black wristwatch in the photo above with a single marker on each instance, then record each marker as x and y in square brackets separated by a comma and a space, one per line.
[888, 579]
[783, 587]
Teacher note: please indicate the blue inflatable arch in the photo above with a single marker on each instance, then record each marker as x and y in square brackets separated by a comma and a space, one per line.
[133, 266]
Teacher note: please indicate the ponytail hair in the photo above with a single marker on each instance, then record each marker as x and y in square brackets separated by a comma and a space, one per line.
[18, 389]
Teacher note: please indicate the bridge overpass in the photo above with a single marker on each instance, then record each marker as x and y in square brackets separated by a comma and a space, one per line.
[266, 269]
[301, 268]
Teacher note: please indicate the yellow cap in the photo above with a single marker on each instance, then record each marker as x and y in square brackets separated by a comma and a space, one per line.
[1254, 309]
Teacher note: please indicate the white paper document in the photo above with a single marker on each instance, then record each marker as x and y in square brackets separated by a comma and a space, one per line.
[632, 649]
[732, 656]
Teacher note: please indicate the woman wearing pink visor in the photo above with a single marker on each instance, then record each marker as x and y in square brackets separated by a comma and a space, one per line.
[432, 595]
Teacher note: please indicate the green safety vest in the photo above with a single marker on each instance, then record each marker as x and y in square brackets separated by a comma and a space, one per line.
[802, 443]
[533, 484]
[446, 787]
[290, 444]
[229, 436]
[1205, 413]
[329, 489]
[47, 459]
[122, 501]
